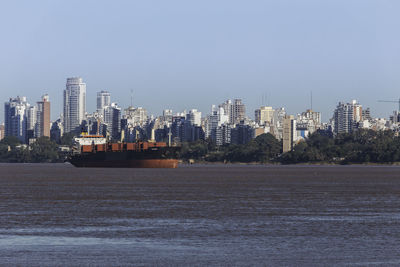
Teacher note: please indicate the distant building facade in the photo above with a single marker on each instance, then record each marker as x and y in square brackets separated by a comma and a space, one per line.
[103, 100]
[235, 110]
[194, 116]
[346, 116]
[74, 104]
[15, 119]
[264, 115]
[112, 118]
[1, 131]
[289, 133]
[43, 117]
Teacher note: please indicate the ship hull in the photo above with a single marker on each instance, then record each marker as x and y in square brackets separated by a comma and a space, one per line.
[155, 158]
[134, 163]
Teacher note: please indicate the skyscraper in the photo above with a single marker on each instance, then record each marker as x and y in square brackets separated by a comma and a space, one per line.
[43, 117]
[346, 117]
[15, 120]
[74, 104]
[103, 100]
[31, 117]
[289, 133]
[112, 118]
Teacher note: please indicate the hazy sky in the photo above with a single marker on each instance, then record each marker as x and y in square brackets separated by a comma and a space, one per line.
[192, 54]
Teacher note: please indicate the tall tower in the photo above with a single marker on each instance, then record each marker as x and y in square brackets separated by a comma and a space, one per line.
[239, 111]
[74, 104]
[103, 100]
[289, 133]
[43, 117]
[15, 119]
[112, 118]
[346, 117]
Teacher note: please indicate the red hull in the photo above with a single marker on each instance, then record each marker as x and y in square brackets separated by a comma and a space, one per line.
[137, 163]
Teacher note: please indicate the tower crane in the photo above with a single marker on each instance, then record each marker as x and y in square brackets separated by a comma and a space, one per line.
[391, 101]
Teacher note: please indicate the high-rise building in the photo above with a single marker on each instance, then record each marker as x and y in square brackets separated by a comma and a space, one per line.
[15, 120]
[103, 100]
[308, 122]
[264, 115]
[136, 116]
[1, 131]
[31, 117]
[241, 134]
[112, 118]
[167, 115]
[217, 118]
[239, 111]
[74, 104]
[43, 117]
[289, 133]
[56, 131]
[194, 117]
[346, 117]
[227, 107]
[223, 134]
[236, 110]
[279, 115]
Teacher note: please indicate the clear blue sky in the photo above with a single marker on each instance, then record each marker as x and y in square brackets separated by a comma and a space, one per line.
[191, 54]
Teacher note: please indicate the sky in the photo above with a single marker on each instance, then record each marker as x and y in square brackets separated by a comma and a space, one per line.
[192, 54]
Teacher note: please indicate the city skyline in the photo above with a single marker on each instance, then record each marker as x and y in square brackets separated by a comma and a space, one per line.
[194, 54]
[249, 113]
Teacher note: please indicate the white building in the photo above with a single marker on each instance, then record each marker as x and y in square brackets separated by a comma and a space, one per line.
[194, 117]
[103, 100]
[223, 134]
[31, 117]
[136, 116]
[236, 110]
[308, 122]
[217, 118]
[167, 115]
[279, 115]
[74, 104]
[346, 117]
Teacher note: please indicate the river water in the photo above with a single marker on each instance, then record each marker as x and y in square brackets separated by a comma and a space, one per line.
[229, 215]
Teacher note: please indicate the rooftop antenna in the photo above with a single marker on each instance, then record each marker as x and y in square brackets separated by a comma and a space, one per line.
[311, 100]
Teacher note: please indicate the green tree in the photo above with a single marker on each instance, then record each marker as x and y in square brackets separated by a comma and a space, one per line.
[67, 139]
[11, 141]
[44, 150]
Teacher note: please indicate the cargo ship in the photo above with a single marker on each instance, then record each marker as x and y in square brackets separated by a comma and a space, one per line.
[123, 155]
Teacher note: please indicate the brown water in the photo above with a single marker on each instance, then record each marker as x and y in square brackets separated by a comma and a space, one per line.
[56, 214]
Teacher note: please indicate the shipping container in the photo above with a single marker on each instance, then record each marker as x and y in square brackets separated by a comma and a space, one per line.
[130, 146]
[86, 148]
[101, 147]
[116, 147]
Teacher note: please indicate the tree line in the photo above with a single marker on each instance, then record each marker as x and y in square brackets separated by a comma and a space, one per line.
[361, 146]
[42, 150]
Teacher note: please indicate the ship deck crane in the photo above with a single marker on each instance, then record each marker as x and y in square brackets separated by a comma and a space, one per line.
[391, 101]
